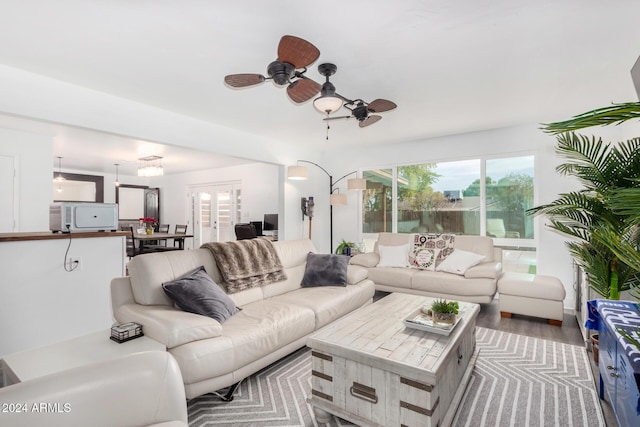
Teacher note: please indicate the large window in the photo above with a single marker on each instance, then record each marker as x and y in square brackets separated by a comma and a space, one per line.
[431, 198]
[377, 201]
[487, 197]
[509, 187]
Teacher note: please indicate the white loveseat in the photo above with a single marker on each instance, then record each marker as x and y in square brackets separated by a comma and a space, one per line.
[478, 284]
[274, 320]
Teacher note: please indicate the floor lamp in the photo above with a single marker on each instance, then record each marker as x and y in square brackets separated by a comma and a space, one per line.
[300, 173]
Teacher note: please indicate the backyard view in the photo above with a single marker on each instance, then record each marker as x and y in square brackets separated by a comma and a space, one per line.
[448, 197]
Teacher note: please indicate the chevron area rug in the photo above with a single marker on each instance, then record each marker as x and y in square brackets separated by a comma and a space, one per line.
[518, 381]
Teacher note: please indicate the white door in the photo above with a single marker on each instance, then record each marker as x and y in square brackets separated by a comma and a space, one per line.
[214, 210]
[7, 194]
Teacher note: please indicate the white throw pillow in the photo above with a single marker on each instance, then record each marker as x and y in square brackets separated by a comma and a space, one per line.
[459, 262]
[393, 256]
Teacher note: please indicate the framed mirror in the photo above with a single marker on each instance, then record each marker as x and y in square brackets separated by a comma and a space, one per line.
[137, 201]
[78, 188]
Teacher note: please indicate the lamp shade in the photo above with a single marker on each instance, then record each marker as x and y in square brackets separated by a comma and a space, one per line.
[338, 199]
[327, 104]
[357, 184]
[297, 172]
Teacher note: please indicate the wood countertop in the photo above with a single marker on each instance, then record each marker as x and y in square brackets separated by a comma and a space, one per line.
[48, 235]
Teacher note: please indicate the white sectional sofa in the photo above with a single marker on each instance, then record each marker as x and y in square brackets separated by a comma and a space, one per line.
[478, 284]
[274, 320]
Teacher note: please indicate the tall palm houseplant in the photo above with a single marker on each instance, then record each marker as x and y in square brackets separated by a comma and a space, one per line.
[602, 168]
[612, 189]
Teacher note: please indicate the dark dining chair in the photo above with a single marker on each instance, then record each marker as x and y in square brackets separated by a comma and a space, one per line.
[245, 231]
[180, 229]
[162, 228]
[131, 243]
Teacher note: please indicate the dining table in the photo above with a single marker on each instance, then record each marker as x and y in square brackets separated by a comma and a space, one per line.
[143, 237]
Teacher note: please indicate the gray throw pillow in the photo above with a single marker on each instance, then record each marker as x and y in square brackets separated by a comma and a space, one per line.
[196, 292]
[325, 270]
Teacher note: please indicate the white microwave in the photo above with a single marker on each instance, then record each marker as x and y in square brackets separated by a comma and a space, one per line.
[74, 216]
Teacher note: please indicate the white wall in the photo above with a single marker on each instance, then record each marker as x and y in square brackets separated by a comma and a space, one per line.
[34, 155]
[41, 303]
[261, 190]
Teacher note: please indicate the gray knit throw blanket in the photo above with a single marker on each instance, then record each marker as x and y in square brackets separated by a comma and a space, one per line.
[247, 263]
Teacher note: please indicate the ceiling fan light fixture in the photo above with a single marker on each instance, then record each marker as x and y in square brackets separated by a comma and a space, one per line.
[327, 104]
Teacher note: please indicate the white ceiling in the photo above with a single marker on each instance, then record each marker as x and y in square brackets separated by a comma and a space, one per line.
[452, 66]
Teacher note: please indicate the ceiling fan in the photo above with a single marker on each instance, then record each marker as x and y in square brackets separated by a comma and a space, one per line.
[294, 56]
[361, 110]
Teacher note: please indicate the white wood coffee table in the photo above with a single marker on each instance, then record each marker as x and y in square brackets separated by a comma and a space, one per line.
[371, 370]
[84, 350]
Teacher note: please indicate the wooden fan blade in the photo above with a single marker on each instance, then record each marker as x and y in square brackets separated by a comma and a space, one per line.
[369, 121]
[303, 90]
[296, 51]
[243, 80]
[380, 105]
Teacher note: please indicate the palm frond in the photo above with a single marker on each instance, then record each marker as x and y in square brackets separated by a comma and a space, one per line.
[614, 114]
[626, 202]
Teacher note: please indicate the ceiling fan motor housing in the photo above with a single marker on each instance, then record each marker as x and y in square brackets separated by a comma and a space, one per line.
[360, 111]
[280, 72]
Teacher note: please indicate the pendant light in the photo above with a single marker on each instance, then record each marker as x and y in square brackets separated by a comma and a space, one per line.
[117, 183]
[59, 178]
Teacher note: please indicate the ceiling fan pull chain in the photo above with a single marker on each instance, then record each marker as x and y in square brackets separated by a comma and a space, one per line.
[327, 128]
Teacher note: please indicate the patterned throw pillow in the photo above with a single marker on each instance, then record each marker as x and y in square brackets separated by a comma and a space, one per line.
[427, 251]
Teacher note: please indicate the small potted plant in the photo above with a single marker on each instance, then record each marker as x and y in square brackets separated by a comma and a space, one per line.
[345, 248]
[444, 313]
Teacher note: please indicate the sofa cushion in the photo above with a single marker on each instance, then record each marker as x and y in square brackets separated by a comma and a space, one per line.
[393, 256]
[484, 270]
[149, 271]
[168, 325]
[481, 245]
[330, 303]
[400, 277]
[459, 262]
[370, 259]
[196, 293]
[356, 274]
[325, 270]
[452, 284]
[390, 239]
[259, 329]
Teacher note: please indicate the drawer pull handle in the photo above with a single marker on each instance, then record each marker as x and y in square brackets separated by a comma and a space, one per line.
[362, 391]
[613, 374]
[611, 368]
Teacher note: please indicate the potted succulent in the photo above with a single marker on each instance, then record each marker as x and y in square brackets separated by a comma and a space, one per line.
[444, 313]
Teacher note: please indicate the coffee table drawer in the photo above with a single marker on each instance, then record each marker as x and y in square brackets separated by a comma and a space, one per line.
[385, 398]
